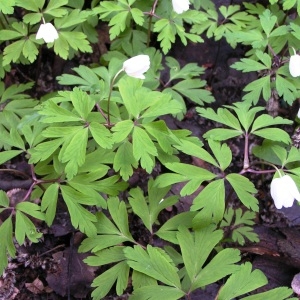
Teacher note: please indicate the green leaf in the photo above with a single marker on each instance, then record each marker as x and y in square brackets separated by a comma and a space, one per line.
[154, 292]
[221, 134]
[222, 153]
[256, 87]
[80, 217]
[169, 230]
[267, 21]
[56, 114]
[167, 31]
[121, 130]
[193, 90]
[49, 202]
[267, 120]
[73, 152]
[33, 5]
[223, 116]
[244, 188]
[280, 293]
[143, 148]
[101, 134]
[194, 175]
[274, 134]
[82, 103]
[25, 228]
[4, 200]
[160, 131]
[104, 282]
[7, 155]
[7, 7]
[149, 210]
[199, 245]
[220, 266]
[241, 282]
[153, 262]
[119, 215]
[106, 256]
[13, 52]
[6, 245]
[124, 160]
[211, 201]
[31, 209]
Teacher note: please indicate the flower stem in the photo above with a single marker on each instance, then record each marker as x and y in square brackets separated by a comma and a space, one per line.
[150, 21]
[246, 152]
[109, 95]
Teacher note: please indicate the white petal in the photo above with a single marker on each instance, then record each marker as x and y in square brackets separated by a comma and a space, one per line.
[291, 187]
[294, 65]
[180, 6]
[284, 191]
[137, 66]
[277, 192]
[298, 114]
[47, 32]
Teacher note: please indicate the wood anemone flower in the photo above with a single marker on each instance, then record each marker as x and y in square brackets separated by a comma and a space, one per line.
[294, 65]
[137, 66]
[284, 191]
[180, 6]
[47, 32]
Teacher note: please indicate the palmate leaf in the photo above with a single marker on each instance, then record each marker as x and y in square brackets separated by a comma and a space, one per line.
[117, 274]
[241, 282]
[153, 262]
[274, 134]
[7, 246]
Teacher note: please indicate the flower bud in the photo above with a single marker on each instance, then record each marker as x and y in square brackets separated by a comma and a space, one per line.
[47, 32]
[284, 191]
[180, 6]
[137, 66]
[294, 65]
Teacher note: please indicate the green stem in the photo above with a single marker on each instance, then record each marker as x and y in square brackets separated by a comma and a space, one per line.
[109, 95]
[150, 21]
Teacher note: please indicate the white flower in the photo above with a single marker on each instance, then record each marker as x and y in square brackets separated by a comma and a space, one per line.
[284, 191]
[47, 32]
[294, 65]
[137, 66]
[298, 114]
[180, 6]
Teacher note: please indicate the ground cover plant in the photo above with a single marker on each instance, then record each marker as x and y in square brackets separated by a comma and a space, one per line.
[92, 163]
